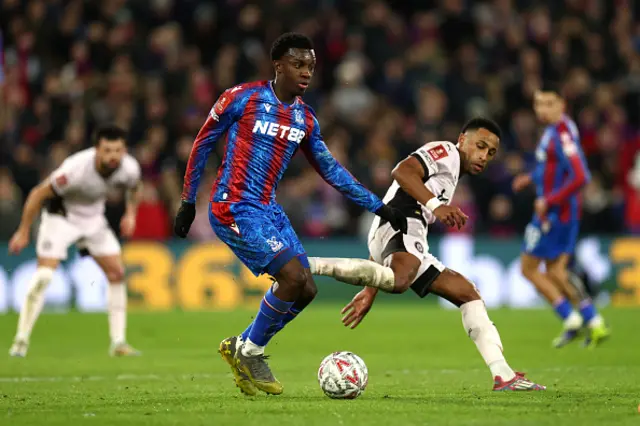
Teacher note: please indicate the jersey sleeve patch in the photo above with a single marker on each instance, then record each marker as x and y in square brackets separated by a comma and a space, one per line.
[426, 160]
[438, 152]
[61, 181]
[568, 145]
[219, 107]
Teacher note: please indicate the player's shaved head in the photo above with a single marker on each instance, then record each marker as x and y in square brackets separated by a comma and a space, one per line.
[478, 144]
[288, 41]
[482, 123]
[294, 61]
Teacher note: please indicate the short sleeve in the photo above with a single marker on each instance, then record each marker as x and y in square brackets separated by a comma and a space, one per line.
[65, 177]
[436, 157]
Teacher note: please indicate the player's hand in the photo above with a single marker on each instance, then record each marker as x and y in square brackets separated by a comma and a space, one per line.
[395, 217]
[18, 241]
[540, 207]
[128, 225]
[184, 218]
[451, 216]
[355, 311]
[520, 182]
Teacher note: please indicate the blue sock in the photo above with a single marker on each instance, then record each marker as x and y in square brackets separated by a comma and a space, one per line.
[245, 334]
[587, 310]
[291, 314]
[563, 308]
[267, 322]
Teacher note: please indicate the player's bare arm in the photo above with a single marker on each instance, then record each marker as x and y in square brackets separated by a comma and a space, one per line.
[410, 175]
[355, 311]
[33, 205]
[128, 222]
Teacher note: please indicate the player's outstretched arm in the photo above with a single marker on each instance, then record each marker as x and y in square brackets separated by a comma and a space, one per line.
[411, 175]
[337, 176]
[38, 195]
[224, 113]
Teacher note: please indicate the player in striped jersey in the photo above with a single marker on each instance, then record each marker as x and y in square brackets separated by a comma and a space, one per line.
[559, 174]
[265, 123]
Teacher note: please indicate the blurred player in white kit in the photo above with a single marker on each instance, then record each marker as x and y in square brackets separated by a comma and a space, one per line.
[72, 201]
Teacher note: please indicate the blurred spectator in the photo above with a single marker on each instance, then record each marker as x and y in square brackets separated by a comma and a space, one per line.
[10, 205]
[152, 222]
[390, 77]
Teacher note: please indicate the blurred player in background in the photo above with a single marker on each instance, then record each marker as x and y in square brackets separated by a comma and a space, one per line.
[423, 187]
[551, 237]
[265, 123]
[74, 200]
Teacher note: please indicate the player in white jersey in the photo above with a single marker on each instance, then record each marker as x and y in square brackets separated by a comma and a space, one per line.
[423, 186]
[72, 201]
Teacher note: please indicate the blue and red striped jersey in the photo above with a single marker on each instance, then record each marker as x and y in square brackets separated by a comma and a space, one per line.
[561, 170]
[262, 136]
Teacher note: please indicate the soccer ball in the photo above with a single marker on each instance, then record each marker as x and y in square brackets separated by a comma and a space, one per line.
[343, 375]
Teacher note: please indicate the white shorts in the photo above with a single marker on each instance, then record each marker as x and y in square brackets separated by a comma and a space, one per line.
[385, 241]
[56, 234]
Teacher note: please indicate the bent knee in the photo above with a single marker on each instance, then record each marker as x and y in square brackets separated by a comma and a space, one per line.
[115, 274]
[296, 278]
[309, 291]
[559, 274]
[401, 283]
[469, 294]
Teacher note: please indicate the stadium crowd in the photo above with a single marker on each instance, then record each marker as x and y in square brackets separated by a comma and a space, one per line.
[391, 76]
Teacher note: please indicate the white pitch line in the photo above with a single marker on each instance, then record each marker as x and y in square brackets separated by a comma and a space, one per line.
[142, 377]
[130, 377]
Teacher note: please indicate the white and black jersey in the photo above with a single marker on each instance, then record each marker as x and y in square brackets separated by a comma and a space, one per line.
[441, 163]
[76, 214]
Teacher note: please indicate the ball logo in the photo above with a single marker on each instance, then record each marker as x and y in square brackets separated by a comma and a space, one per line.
[352, 375]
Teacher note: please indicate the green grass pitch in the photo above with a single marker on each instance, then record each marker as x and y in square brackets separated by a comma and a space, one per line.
[423, 369]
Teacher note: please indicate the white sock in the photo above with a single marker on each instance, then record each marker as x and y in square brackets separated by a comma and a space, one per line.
[33, 302]
[596, 321]
[573, 321]
[117, 312]
[239, 342]
[249, 348]
[360, 272]
[484, 334]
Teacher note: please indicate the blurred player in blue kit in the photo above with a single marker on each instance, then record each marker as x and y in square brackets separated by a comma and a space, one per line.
[559, 175]
[265, 123]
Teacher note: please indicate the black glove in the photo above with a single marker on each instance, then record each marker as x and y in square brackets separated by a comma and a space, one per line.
[394, 216]
[184, 219]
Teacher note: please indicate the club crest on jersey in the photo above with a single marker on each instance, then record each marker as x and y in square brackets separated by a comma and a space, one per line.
[297, 116]
[438, 152]
[269, 128]
[275, 245]
[419, 247]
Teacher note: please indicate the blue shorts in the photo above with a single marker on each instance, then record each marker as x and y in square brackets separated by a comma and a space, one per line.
[261, 236]
[561, 238]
